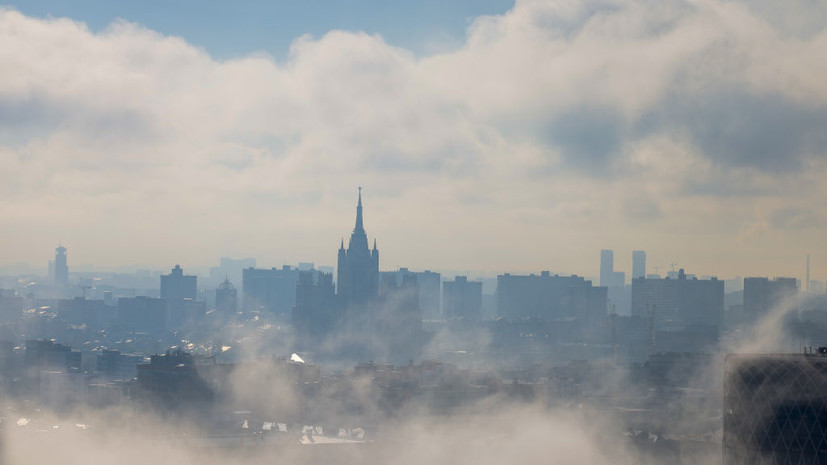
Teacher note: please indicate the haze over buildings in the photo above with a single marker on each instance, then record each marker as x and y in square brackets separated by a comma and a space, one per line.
[215, 296]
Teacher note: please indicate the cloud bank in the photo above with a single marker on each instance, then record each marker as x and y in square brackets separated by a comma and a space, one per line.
[693, 129]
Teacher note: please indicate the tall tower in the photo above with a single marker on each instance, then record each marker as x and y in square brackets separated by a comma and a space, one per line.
[638, 264]
[358, 266]
[61, 269]
[607, 266]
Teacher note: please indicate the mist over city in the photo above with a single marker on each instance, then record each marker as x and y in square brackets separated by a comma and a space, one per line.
[532, 231]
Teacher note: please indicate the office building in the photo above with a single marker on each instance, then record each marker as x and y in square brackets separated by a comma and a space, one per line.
[143, 314]
[272, 290]
[462, 299]
[762, 295]
[638, 264]
[693, 307]
[607, 260]
[549, 297]
[61, 268]
[177, 286]
[315, 313]
[396, 319]
[47, 355]
[430, 287]
[114, 364]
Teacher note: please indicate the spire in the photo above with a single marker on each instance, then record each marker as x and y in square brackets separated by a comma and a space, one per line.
[374, 243]
[342, 247]
[359, 226]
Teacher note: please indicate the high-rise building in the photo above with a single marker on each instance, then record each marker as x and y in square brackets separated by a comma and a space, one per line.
[429, 285]
[143, 314]
[549, 297]
[357, 281]
[315, 312]
[176, 286]
[462, 299]
[272, 290]
[396, 318]
[61, 268]
[761, 295]
[689, 306]
[638, 264]
[607, 266]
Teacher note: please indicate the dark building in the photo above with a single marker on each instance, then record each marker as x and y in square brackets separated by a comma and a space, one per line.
[775, 409]
[186, 314]
[358, 267]
[272, 290]
[114, 364]
[177, 286]
[762, 295]
[61, 268]
[315, 313]
[549, 297]
[95, 314]
[45, 354]
[429, 284]
[174, 380]
[226, 298]
[682, 304]
[462, 299]
[143, 314]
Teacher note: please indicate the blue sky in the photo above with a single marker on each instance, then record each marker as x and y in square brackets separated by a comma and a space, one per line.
[231, 29]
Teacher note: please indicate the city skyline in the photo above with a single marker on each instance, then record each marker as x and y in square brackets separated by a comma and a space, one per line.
[547, 133]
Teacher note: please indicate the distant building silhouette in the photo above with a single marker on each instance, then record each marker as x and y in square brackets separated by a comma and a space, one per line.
[607, 260]
[226, 298]
[114, 364]
[179, 291]
[638, 264]
[690, 310]
[462, 299]
[95, 314]
[429, 284]
[761, 295]
[45, 354]
[396, 317]
[61, 268]
[272, 290]
[358, 267]
[549, 297]
[315, 314]
[143, 314]
[176, 286]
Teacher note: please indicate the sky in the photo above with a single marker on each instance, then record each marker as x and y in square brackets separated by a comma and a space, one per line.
[486, 135]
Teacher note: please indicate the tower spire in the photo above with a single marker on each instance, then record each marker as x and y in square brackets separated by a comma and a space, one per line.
[359, 226]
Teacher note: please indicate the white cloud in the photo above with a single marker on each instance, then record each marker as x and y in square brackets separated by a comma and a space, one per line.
[557, 129]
